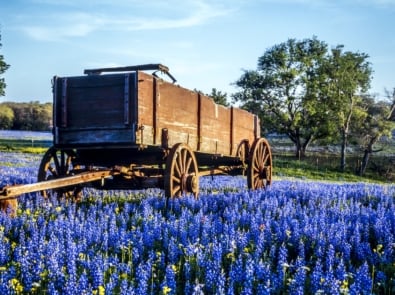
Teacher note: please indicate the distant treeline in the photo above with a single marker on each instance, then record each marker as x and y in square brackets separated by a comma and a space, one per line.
[34, 116]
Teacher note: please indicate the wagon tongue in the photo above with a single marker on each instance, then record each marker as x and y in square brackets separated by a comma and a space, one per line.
[11, 192]
[5, 193]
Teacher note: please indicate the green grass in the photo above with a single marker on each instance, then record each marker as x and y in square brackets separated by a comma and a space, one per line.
[305, 169]
[24, 145]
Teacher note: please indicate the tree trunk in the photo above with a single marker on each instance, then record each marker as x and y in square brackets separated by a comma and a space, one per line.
[368, 151]
[344, 133]
[365, 160]
[343, 152]
[300, 150]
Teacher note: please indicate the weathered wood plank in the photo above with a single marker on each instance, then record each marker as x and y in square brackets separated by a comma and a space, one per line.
[97, 104]
[215, 133]
[176, 110]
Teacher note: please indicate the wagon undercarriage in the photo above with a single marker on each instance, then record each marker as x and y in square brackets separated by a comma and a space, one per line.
[65, 172]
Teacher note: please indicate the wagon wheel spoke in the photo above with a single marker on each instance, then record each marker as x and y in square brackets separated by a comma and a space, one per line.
[181, 175]
[52, 170]
[260, 155]
[259, 172]
[55, 159]
[179, 163]
[266, 161]
[184, 154]
[176, 191]
[177, 170]
[188, 165]
[175, 179]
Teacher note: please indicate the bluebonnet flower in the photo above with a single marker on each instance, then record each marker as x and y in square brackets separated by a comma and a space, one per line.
[340, 272]
[237, 272]
[297, 283]
[282, 266]
[188, 278]
[197, 288]
[83, 284]
[124, 288]
[96, 270]
[362, 282]
[221, 284]
[143, 273]
[211, 274]
[317, 278]
[248, 277]
[169, 282]
[325, 227]
[112, 283]
[330, 259]
[5, 249]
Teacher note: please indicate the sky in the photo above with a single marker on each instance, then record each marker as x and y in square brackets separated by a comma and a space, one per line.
[205, 43]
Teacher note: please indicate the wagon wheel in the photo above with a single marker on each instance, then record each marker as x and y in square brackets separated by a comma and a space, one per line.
[259, 172]
[181, 175]
[57, 164]
[242, 151]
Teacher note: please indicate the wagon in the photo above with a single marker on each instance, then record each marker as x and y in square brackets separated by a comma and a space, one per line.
[124, 128]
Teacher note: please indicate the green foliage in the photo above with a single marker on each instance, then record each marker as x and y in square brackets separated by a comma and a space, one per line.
[6, 117]
[347, 75]
[30, 116]
[303, 90]
[3, 68]
[373, 125]
[219, 97]
[284, 91]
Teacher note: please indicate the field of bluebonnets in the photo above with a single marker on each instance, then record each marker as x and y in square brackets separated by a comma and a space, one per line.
[296, 237]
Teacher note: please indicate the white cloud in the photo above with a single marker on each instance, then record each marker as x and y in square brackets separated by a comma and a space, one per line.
[59, 33]
[124, 17]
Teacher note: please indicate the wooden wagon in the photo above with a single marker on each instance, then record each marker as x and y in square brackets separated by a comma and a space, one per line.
[129, 129]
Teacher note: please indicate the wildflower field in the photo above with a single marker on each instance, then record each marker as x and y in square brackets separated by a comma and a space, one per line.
[296, 237]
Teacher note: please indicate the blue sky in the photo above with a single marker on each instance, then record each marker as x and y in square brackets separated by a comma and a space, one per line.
[205, 43]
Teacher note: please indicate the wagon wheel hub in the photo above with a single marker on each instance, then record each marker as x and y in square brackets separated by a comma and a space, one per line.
[189, 183]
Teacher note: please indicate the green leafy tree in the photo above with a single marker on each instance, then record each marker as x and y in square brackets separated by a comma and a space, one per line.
[6, 117]
[376, 124]
[285, 92]
[3, 68]
[219, 97]
[31, 116]
[347, 79]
